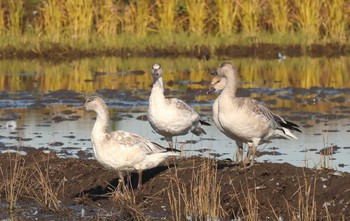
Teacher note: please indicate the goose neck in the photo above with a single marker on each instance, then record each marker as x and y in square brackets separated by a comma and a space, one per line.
[158, 84]
[101, 124]
[157, 89]
[231, 86]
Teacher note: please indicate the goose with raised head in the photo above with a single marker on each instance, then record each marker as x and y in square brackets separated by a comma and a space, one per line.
[171, 117]
[217, 84]
[244, 119]
[121, 150]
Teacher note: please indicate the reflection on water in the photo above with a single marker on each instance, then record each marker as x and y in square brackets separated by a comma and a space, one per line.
[42, 98]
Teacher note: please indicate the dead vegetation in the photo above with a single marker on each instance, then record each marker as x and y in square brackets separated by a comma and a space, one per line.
[194, 188]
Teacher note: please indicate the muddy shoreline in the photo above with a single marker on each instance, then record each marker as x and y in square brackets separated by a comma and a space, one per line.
[84, 189]
[259, 50]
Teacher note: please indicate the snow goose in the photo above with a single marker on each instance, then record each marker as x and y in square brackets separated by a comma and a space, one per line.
[218, 83]
[244, 119]
[171, 116]
[121, 150]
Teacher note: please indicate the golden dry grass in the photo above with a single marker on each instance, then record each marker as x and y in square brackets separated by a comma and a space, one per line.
[15, 178]
[200, 198]
[40, 189]
[80, 23]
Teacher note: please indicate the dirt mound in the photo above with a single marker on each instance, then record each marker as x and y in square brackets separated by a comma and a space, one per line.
[46, 186]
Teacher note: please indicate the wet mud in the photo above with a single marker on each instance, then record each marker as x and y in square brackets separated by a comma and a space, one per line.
[86, 190]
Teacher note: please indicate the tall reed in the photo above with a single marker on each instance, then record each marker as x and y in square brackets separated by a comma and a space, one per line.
[336, 23]
[15, 17]
[80, 18]
[52, 19]
[308, 18]
[167, 14]
[107, 18]
[280, 11]
[226, 16]
[249, 16]
[2, 20]
[197, 15]
[77, 23]
[137, 18]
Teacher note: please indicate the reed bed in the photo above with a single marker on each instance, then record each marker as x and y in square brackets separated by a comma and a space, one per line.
[41, 190]
[199, 200]
[34, 25]
[15, 178]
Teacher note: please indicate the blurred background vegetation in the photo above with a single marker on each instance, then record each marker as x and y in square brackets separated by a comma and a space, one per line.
[44, 25]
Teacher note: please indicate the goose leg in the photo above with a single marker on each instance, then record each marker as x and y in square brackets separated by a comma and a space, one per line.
[170, 142]
[139, 184]
[239, 153]
[120, 180]
[253, 151]
[249, 153]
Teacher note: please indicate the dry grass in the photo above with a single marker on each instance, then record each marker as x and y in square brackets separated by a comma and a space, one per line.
[15, 17]
[125, 197]
[107, 18]
[167, 16]
[40, 25]
[280, 11]
[308, 18]
[40, 188]
[227, 16]
[197, 15]
[15, 178]
[249, 16]
[247, 199]
[336, 22]
[198, 199]
[306, 208]
[137, 17]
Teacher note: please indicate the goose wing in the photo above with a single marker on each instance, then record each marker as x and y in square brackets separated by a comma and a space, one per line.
[132, 140]
[181, 105]
[264, 112]
[275, 120]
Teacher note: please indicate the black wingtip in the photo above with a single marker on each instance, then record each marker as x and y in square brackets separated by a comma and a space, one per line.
[204, 123]
[292, 126]
[172, 150]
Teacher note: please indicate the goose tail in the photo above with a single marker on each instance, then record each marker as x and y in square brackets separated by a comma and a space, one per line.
[288, 133]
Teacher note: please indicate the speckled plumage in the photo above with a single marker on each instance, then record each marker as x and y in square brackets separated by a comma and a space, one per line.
[244, 119]
[170, 116]
[122, 150]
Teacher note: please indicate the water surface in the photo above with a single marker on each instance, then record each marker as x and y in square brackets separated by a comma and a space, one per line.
[42, 98]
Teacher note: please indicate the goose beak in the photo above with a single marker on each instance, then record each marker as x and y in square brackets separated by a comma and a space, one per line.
[82, 107]
[210, 90]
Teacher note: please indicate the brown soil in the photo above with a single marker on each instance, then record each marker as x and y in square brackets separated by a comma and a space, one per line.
[259, 50]
[275, 189]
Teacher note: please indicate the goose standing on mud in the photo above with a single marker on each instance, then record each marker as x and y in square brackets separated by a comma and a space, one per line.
[171, 117]
[218, 83]
[121, 150]
[244, 119]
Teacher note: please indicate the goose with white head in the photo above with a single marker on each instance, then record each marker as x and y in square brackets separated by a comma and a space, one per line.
[121, 150]
[244, 119]
[171, 117]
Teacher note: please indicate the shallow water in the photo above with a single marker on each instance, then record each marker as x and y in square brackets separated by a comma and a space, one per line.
[42, 98]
